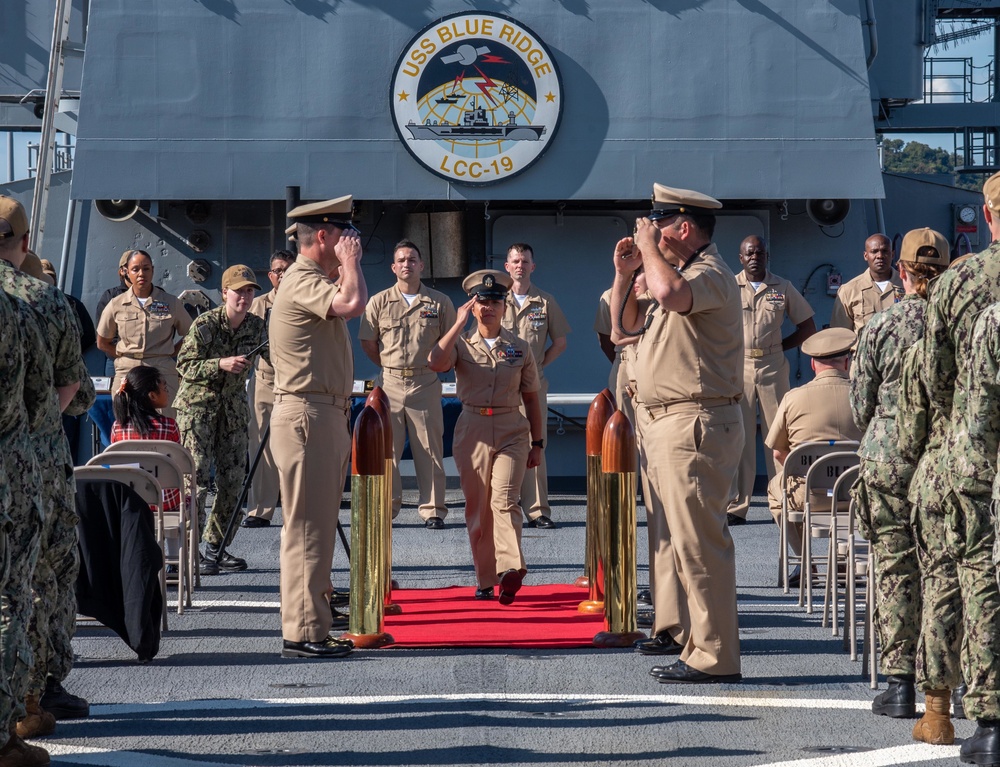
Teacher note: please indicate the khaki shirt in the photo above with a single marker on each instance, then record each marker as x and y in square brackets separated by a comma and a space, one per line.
[261, 307]
[494, 377]
[144, 331]
[698, 355]
[539, 319]
[310, 351]
[764, 312]
[818, 411]
[406, 333]
[860, 299]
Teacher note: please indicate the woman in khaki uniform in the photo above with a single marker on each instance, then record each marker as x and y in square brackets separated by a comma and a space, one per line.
[149, 324]
[494, 444]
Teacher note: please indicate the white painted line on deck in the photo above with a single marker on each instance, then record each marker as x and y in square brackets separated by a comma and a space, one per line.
[882, 757]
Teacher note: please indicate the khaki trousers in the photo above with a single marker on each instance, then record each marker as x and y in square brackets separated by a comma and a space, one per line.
[312, 445]
[690, 455]
[765, 382]
[535, 485]
[415, 409]
[491, 453]
[264, 488]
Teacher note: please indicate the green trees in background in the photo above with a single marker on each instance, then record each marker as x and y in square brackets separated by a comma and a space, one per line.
[913, 157]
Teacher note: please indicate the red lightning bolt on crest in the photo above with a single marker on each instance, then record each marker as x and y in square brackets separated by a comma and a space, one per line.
[489, 58]
[487, 83]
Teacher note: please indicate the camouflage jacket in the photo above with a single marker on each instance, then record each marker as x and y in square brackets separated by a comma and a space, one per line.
[203, 383]
[876, 378]
[979, 432]
[13, 414]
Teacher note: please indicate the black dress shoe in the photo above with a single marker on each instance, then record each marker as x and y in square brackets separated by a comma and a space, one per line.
[795, 577]
[542, 523]
[661, 644]
[228, 563]
[644, 620]
[339, 598]
[256, 522]
[510, 584]
[984, 746]
[434, 523]
[484, 593]
[644, 597]
[899, 699]
[734, 521]
[340, 620]
[62, 704]
[681, 673]
[331, 647]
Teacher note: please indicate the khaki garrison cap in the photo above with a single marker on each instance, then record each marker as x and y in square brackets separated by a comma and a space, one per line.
[293, 233]
[123, 261]
[239, 276]
[487, 285]
[832, 342]
[335, 212]
[669, 201]
[925, 246]
[991, 191]
[13, 219]
[49, 269]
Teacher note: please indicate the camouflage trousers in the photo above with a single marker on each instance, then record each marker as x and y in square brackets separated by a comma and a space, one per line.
[53, 623]
[217, 437]
[884, 517]
[960, 592]
[16, 606]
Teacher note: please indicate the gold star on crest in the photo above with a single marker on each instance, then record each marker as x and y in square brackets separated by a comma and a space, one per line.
[403, 95]
[550, 96]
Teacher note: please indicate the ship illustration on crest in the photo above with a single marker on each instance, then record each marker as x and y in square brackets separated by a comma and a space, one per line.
[476, 125]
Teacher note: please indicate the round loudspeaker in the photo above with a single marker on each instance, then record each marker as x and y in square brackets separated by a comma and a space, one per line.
[117, 210]
[828, 212]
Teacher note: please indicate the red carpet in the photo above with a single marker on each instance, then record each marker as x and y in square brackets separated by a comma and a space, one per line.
[542, 617]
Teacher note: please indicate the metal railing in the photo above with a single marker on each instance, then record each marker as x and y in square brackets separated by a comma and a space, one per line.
[62, 161]
[957, 81]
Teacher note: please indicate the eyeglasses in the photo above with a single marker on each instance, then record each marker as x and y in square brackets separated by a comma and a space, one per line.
[278, 272]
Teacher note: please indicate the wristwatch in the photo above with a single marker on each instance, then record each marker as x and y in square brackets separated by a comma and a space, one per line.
[538, 443]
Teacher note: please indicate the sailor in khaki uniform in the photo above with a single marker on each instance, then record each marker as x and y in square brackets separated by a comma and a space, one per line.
[818, 411]
[767, 300]
[877, 288]
[689, 378]
[398, 329]
[534, 315]
[310, 437]
[495, 443]
[148, 322]
[264, 488]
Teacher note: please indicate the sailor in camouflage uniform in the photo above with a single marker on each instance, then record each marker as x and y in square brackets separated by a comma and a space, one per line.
[214, 363]
[27, 388]
[884, 513]
[953, 494]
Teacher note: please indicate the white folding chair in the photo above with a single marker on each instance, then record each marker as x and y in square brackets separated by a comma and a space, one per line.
[183, 458]
[147, 488]
[797, 464]
[836, 554]
[173, 524]
[821, 479]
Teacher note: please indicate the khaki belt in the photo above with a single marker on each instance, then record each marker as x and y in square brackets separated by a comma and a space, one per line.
[489, 410]
[406, 372]
[756, 354]
[142, 355]
[703, 403]
[318, 399]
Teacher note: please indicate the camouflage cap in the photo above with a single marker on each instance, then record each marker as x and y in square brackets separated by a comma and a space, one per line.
[239, 276]
[13, 219]
[487, 284]
[832, 342]
[669, 201]
[925, 246]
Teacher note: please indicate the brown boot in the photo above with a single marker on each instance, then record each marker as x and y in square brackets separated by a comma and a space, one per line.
[17, 753]
[935, 726]
[37, 722]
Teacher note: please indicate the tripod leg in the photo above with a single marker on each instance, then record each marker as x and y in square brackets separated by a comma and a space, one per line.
[238, 511]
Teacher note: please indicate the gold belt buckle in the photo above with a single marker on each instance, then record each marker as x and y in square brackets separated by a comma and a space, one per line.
[406, 372]
[756, 353]
[485, 411]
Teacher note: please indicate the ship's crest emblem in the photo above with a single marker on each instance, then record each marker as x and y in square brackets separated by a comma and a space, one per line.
[476, 97]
